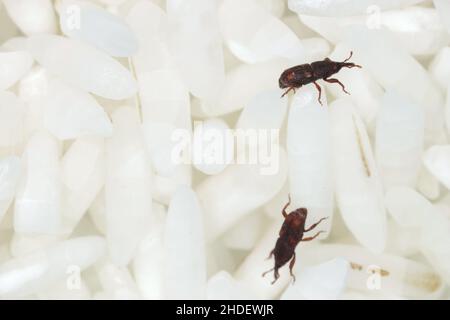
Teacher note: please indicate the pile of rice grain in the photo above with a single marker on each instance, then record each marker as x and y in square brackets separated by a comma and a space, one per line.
[114, 112]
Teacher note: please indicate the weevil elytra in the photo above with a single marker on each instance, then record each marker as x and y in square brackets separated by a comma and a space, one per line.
[291, 234]
[298, 76]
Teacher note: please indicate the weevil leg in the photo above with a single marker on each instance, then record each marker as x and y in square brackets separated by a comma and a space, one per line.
[315, 224]
[287, 91]
[313, 237]
[285, 214]
[264, 273]
[332, 80]
[270, 254]
[320, 92]
[291, 265]
[276, 274]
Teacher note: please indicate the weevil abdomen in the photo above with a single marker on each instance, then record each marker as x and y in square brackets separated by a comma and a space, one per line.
[297, 76]
[283, 252]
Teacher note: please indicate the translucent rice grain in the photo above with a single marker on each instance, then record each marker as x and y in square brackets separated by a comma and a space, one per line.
[310, 162]
[148, 263]
[97, 27]
[408, 208]
[22, 245]
[8, 29]
[38, 200]
[402, 241]
[32, 90]
[301, 30]
[112, 2]
[443, 7]
[365, 91]
[196, 45]
[31, 16]
[7, 225]
[316, 48]
[265, 111]
[61, 291]
[83, 66]
[237, 191]
[273, 208]
[117, 281]
[325, 281]
[4, 253]
[250, 271]
[33, 85]
[245, 233]
[440, 68]
[357, 183]
[417, 29]
[222, 286]
[184, 246]
[253, 35]
[162, 145]
[10, 173]
[274, 7]
[395, 69]
[220, 257]
[13, 65]
[165, 186]
[388, 275]
[97, 212]
[447, 112]
[148, 267]
[242, 83]
[399, 140]
[83, 176]
[25, 275]
[428, 185]
[434, 242]
[127, 187]
[71, 113]
[437, 161]
[212, 146]
[444, 205]
[345, 7]
[12, 113]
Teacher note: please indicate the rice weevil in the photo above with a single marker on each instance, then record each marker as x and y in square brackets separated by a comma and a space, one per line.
[298, 76]
[290, 235]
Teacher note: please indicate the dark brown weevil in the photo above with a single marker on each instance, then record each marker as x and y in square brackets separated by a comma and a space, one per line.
[290, 235]
[298, 76]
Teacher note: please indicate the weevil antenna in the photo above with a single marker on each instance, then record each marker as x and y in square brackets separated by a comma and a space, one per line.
[351, 55]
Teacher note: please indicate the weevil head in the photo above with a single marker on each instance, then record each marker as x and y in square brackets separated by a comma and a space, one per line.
[302, 213]
[286, 79]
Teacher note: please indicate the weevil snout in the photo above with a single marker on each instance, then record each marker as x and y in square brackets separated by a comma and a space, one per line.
[303, 212]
